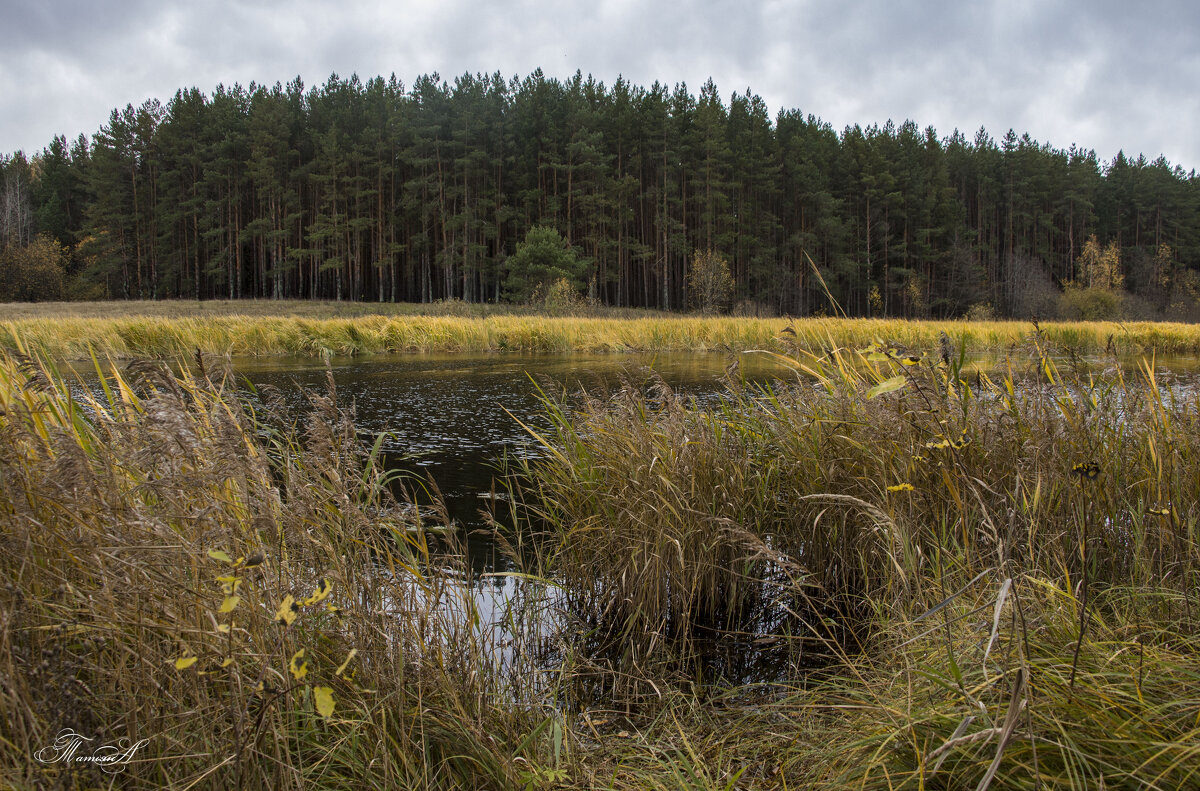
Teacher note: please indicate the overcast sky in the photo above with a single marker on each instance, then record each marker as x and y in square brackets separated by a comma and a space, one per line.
[1102, 75]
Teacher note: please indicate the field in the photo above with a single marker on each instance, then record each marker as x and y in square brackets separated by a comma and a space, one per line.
[962, 580]
[123, 330]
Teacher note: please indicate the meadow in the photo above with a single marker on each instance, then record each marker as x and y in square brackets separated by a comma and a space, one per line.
[168, 329]
[964, 578]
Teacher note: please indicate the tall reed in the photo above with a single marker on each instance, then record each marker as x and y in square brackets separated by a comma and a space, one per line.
[238, 588]
[980, 567]
[962, 580]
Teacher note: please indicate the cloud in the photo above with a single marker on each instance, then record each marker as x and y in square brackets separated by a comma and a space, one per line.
[1102, 75]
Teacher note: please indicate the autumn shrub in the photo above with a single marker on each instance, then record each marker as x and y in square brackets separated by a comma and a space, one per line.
[33, 272]
[1091, 304]
[710, 285]
[981, 311]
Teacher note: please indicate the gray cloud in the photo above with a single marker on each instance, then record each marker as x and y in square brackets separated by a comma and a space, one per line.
[1103, 75]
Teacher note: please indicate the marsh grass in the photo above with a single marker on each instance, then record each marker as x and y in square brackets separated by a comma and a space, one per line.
[960, 580]
[981, 581]
[180, 569]
[123, 330]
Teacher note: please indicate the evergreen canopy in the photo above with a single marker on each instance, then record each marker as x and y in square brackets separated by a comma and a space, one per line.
[378, 191]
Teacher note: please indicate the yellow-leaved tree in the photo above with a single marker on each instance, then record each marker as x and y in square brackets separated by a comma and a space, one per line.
[710, 285]
[32, 272]
[1097, 293]
[1100, 267]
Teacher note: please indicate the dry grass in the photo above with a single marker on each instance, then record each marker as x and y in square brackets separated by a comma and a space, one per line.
[998, 576]
[1018, 618]
[123, 330]
[131, 517]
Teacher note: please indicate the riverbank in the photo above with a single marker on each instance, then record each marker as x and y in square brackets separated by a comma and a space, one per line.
[70, 331]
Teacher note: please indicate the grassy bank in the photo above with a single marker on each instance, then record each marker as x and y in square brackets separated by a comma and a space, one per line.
[65, 331]
[960, 582]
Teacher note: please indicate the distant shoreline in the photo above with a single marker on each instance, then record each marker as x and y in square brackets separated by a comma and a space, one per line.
[123, 330]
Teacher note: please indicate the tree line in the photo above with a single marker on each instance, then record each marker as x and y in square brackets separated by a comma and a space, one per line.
[378, 191]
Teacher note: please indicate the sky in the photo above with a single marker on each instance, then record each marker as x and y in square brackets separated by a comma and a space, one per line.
[1100, 75]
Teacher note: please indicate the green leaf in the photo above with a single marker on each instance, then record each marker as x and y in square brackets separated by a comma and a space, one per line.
[217, 554]
[887, 386]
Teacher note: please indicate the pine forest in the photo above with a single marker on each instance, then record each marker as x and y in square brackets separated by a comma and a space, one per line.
[379, 191]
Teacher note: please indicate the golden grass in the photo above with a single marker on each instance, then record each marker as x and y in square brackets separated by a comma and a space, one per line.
[986, 611]
[1001, 574]
[65, 331]
[181, 570]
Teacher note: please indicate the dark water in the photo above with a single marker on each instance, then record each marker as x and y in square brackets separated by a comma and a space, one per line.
[447, 417]
[451, 418]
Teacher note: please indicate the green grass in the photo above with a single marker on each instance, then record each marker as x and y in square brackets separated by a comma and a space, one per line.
[121, 330]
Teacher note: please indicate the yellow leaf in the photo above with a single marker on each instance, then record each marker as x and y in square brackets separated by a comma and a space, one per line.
[217, 554]
[229, 584]
[298, 667]
[901, 487]
[887, 386]
[349, 656]
[323, 697]
[184, 662]
[223, 628]
[229, 603]
[287, 611]
[323, 589]
[227, 661]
